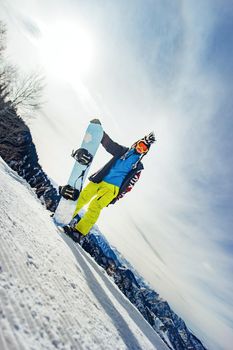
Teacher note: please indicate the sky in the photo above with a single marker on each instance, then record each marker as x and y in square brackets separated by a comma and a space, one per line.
[140, 66]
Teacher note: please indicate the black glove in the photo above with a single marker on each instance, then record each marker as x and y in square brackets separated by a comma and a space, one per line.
[95, 121]
[68, 192]
[82, 156]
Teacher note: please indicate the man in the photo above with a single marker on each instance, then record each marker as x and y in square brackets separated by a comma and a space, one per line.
[110, 183]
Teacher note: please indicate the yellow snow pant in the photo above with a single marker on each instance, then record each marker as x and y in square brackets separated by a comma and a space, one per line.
[103, 194]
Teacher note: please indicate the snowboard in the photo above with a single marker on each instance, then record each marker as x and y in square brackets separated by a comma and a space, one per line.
[91, 141]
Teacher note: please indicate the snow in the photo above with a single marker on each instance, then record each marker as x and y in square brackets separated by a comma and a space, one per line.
[52, 294]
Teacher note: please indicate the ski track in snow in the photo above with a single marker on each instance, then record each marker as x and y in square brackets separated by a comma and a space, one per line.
[52, 293]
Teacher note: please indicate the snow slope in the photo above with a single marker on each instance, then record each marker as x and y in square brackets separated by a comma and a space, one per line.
[52, 294]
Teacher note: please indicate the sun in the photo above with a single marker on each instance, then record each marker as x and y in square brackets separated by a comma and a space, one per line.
[66, 49]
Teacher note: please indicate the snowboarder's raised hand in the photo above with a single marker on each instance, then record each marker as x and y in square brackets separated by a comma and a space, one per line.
[95, 121]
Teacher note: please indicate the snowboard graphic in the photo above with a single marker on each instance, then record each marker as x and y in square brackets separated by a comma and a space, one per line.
[88, 148]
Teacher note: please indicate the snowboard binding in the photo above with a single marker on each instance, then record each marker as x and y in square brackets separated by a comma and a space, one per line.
[69, 192]
[82, 156]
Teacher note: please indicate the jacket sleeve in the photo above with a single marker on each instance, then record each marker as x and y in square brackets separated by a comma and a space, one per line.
[111, 146]
[131, 184]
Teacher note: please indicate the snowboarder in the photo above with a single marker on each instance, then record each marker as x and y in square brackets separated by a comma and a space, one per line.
[110, 183]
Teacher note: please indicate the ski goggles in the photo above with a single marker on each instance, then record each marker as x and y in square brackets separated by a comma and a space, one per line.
[141, 147]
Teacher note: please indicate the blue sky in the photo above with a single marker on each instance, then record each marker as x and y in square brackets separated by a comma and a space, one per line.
[149, 65]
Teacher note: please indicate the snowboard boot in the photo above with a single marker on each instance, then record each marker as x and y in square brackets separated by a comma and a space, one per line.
[75, 220]
[74, 234]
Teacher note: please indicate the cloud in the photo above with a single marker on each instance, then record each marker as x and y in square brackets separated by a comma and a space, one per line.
[140, 231]
[31, 27]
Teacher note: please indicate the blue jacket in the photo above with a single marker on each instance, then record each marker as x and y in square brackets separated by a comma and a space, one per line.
[121, 168]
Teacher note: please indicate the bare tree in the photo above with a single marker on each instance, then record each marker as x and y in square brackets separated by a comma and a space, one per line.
[23, 93]
[4, 69]
[26, 92]
[2, 37]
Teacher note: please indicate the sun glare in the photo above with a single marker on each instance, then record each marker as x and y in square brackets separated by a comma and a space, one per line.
[66, 49]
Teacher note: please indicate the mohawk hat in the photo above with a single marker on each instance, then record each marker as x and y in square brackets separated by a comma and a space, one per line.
[148, 140]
